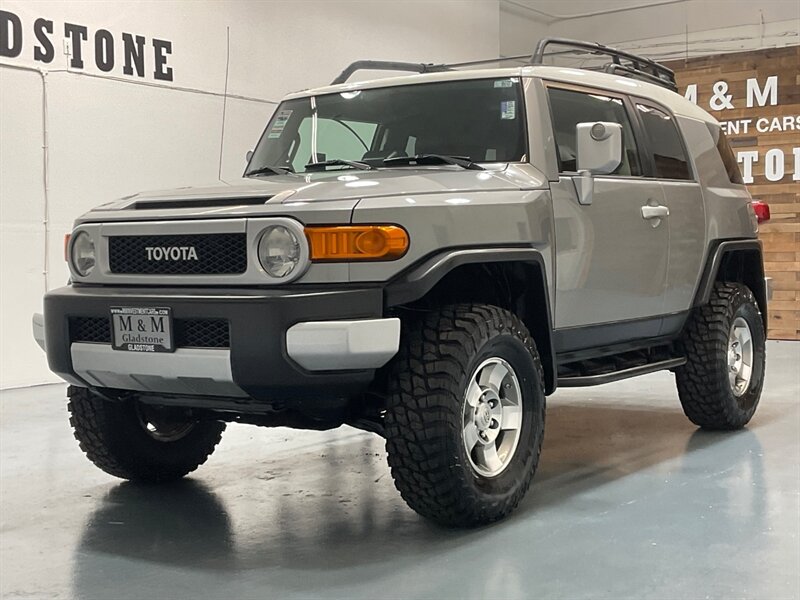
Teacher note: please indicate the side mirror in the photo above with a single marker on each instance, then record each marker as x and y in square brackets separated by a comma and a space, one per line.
[248, 156]
[599, 149]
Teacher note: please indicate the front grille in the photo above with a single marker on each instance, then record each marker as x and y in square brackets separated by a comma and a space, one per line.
[90, 329]
[202, 333]
[188, 333]
[210, 254]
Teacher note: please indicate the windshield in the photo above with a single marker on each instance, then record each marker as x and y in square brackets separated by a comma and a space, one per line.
[481, 120]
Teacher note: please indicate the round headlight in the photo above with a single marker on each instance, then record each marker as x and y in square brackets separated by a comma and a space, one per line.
[279, 251]
[82, 254]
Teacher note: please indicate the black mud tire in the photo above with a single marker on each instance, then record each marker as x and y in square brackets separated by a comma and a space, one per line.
[424, 420]
[112, 436]
[703, 385]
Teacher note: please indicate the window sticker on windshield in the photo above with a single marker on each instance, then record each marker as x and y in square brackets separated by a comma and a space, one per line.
[280, 124]
[508, 109]
[503, 83]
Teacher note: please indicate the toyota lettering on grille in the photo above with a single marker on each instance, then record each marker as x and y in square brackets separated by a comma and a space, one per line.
[178, 254]
[171, 253]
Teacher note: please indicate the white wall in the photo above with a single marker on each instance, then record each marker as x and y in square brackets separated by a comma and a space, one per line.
[520, 29]
[111, 134]
[661, 29]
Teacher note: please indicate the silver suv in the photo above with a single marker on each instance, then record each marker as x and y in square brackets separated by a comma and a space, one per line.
[425, 257]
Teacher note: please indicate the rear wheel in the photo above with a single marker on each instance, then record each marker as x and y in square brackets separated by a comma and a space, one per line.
[465, 416]
[720, 384]
[139, 442]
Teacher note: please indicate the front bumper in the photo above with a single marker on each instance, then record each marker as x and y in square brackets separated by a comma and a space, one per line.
[287, 348]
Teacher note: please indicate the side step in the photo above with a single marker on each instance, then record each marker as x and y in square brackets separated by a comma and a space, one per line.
[587, 380]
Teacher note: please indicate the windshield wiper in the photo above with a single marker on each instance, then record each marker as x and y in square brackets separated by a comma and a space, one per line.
[270, 170]
[339, 162]
[422, 159]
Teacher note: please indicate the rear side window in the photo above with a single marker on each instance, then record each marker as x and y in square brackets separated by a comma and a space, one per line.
[669, 155]
[726, 154]
[569, 108]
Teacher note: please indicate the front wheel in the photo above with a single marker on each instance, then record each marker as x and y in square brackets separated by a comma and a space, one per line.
[135, 441]
[720, 384]
[465, 414]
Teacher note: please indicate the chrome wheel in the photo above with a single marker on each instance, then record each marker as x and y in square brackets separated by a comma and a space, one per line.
[740, 356]
[492, 420]
[162, 425]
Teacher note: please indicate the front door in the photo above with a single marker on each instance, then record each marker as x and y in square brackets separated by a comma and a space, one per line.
[611, 261]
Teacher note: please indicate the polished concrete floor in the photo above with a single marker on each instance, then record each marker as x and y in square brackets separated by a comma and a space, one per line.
[630, 501]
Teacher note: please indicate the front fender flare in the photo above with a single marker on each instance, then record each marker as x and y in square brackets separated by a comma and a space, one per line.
[414, 283]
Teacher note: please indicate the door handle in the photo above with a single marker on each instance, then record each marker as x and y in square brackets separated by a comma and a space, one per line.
[654, 212]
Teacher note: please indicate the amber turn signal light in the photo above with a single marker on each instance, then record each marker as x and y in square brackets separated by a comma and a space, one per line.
[357, 242]
[67, 237]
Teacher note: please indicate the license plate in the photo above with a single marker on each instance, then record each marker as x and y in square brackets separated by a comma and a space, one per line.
[137, 329]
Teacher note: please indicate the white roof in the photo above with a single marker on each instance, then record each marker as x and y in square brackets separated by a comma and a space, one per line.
[615, 83]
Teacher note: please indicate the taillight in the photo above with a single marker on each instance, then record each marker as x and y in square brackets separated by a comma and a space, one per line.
[357, 242]
[762, 210]
[67, 237]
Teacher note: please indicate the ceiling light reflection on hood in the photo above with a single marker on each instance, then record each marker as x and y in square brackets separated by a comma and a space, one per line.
[361, 183]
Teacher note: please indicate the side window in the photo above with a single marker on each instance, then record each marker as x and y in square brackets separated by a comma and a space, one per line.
[570, 108]
[726, 154]
[349, 140]
[669, 156]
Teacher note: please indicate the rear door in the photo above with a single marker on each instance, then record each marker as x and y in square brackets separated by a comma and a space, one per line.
[611, 263]
[670, 165]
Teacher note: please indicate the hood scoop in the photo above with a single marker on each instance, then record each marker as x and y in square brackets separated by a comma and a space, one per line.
[199, 202]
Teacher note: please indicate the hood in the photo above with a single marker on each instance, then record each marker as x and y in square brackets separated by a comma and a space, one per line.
[341, 189]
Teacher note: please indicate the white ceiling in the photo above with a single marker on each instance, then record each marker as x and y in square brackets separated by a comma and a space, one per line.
[552, 11]
[572, 8]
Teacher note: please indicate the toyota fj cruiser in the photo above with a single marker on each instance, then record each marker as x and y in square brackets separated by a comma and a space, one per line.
[425, 257]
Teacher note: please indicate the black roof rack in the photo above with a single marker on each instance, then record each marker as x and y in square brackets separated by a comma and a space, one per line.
[388, 65]
[634, 66]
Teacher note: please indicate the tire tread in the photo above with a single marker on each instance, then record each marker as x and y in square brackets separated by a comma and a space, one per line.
[95, 424]
[424, 407]
[703, 390]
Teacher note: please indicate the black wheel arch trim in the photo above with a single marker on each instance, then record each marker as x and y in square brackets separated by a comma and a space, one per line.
[714, 263]
[421, 277]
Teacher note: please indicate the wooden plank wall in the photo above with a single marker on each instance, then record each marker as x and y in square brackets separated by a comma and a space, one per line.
[781, 236]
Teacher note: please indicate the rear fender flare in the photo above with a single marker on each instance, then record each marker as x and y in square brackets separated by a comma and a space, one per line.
[750, 253]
